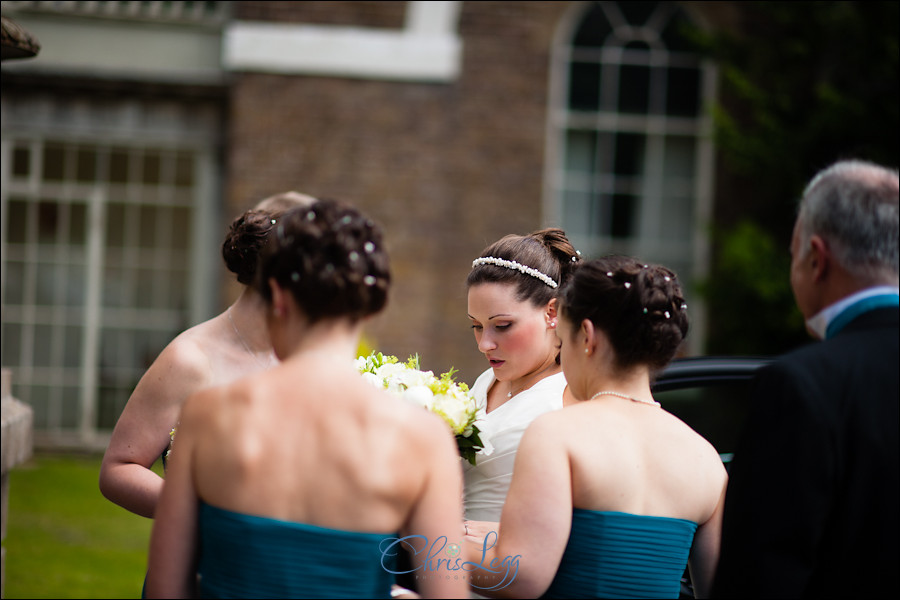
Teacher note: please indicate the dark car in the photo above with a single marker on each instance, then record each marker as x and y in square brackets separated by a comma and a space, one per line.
[712, 395]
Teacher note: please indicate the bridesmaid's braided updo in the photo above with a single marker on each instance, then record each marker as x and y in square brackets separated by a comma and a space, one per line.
[639, 307]
[247, 235]
[331, 258]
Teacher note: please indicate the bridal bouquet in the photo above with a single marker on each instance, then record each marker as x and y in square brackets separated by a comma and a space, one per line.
[441, 395]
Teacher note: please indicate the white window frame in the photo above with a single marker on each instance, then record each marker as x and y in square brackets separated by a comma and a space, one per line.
[130, 124]
[654, 127]
[426, 49]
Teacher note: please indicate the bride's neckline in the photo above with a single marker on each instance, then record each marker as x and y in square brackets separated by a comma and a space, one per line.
[505, 399]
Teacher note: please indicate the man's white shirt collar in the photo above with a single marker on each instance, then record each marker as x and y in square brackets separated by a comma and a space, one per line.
[818, 323]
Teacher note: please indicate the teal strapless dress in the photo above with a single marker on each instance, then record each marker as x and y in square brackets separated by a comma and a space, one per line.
[621, 555]
[246, 556]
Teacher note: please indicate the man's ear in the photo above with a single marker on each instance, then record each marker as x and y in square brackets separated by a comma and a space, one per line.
[820, 258]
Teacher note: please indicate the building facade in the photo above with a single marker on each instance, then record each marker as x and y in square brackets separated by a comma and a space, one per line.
[143, 128]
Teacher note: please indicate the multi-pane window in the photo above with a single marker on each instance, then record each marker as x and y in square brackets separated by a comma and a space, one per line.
[102, 239]
[630, 154]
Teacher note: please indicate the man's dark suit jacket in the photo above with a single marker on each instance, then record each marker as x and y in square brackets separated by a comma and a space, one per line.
[814, 489]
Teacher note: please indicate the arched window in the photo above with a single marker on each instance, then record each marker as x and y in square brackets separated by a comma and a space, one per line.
[630, 157]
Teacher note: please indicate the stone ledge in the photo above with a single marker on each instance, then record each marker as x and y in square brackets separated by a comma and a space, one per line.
[16, 443]
[15, 448]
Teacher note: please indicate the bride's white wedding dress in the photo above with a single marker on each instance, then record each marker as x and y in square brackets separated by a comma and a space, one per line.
[487, 482]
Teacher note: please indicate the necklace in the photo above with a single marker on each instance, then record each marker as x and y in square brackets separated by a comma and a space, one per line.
[621, 395]
[511, 393]
[244, 343]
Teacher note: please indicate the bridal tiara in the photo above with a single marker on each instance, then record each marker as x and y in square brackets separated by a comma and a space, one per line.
[511, 264]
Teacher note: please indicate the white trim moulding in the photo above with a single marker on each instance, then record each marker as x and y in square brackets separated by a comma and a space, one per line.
[427, 49]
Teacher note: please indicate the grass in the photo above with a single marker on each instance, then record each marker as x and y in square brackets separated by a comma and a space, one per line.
[64, 539]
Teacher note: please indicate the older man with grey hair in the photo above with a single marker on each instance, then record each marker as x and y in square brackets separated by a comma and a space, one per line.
[812, 504]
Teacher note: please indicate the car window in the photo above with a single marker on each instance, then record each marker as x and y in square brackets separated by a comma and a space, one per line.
[717, 412]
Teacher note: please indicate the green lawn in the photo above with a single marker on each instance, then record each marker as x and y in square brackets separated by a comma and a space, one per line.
[64, 539]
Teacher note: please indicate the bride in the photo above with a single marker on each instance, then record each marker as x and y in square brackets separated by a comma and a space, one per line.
[512, 291]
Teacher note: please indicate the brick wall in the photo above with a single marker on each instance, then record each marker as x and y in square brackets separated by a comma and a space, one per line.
[446, 168]
[387, 14]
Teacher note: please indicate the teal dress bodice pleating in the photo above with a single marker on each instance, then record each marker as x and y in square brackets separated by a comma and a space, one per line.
[621, 555]
[246, 556]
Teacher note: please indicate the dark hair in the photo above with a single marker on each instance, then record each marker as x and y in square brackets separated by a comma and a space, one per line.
[547, 250]
[247, 235]
[639, 307]
[331, 258]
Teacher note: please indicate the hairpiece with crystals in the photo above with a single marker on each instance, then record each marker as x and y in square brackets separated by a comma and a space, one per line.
[511, 264]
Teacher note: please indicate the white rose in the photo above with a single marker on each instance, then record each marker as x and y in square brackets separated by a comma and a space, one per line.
[413, 378]
[419, 395]
[391, 376]
[373, 380]
[390, 370]
[455, 410]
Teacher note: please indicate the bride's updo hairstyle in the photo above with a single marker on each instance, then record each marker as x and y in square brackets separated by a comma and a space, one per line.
[546, 252]
[639, 307]
[247, 235]
[331, 258]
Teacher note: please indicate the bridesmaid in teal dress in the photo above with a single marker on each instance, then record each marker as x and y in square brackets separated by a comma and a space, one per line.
[613, 496]
[298, 482]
